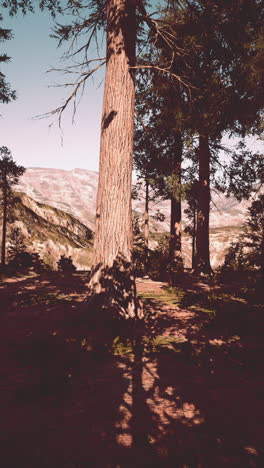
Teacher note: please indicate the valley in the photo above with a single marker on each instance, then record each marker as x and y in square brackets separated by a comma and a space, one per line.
[64, 204]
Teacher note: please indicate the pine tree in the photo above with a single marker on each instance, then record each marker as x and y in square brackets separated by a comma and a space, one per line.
[159, 152]
[254, 233]
[112, 285]
[9, 175]
[222, 97]
[6, 93]
[16, 243]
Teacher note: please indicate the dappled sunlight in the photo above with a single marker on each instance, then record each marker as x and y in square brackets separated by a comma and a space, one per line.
[160, 407]
[173, 391]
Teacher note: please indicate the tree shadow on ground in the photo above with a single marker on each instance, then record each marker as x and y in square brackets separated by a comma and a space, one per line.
[139, 402]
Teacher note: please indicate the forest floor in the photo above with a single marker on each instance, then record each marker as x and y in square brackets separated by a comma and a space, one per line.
[184, 390]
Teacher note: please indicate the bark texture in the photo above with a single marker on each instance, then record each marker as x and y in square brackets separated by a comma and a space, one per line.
[194, 238]
[146, 222]
[175, 248]
[202, 263]
[175, 230]
[4, 226]
[112, 283]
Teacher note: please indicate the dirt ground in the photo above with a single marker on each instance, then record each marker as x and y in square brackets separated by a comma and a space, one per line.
[186, 391]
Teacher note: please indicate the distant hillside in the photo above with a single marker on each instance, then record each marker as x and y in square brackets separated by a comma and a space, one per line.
[60, 206]
[220, 239]
[75, 192]
[71, 191]
[51, 232]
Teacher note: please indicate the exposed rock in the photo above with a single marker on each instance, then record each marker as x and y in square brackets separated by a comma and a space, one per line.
[75, 192]
[51, 232]
[61, 198]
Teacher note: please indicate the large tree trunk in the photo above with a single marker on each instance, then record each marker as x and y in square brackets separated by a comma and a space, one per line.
[4, 201]
[203, 209]
[175, 248]
[112, 285]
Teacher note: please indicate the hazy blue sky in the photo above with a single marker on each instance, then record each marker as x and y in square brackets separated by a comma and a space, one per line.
[31, 141]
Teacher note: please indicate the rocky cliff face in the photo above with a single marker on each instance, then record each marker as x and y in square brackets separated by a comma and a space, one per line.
[51, 232]
[75, 192]
[67, 199]
[220, 240]
[71, 191]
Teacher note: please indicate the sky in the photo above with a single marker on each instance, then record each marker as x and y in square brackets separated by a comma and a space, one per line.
[32, 141]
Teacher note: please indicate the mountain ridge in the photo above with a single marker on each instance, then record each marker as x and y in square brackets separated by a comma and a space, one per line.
[73, 194]
[74, 191]
[51, 232]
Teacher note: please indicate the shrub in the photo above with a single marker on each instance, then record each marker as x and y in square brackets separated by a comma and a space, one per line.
[66, 264]
[17, 243]
[23, 262]
[234, 259]
[139, 252]
[247, 254]
[159, 260]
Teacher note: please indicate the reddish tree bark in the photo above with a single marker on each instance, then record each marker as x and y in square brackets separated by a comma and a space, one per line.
[4, 225]
[202, 262]
[175, 251]
[146, 221]
[194, 238]
[112, 284]
[175, 247]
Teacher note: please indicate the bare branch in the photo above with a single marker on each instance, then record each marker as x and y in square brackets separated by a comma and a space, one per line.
[165, 70]
[78, 89]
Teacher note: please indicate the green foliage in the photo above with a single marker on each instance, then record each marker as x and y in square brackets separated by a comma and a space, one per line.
[244, 174]
[17, 243]
[26, 262]
[9, 170]
[6, 93]
[20, 261]
[168, 295]
[158, 216]
[234, 259]
[158, 260]
[9, 175]
[28, 6]
[139, 253]
[248, 252]
[156, 263]
[122, 346]
[161, 344]
[254, 233]
[66, 264]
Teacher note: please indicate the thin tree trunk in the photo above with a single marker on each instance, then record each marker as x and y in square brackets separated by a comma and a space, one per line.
[175, 248]
[194, 239]
[3, 247]
[175, 251]
[203, 209]
[146, 223]
[112, 285]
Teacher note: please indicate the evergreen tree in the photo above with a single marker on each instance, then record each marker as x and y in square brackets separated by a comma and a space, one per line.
[221, 98]
[66, 264]
[16, 243]
[9, 175]
[112, 284]
[191, 215]
[159, 151]
[6, 93]
[254, 233]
